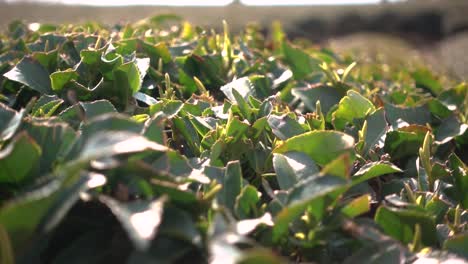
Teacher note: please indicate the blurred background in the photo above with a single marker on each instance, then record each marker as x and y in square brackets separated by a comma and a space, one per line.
[435, 30]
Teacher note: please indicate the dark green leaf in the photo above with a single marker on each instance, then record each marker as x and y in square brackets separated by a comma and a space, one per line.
[284, 126]
[399, 223]
[328, 97]
[232, 185]
[413, 115]
[173, 164]
[10, 120]
[55, 140]
[96, 108]
[18, 159]
[459, 173]
[246, 202]
[32, 74]
[376, 129]
[40, 210]
[425, 79]
[304, 193]
[47, 109]
[383, 252]
[448, 129]
[302, 65]
[292, 167]
[401, 144]
[458, 244]
[154, 129]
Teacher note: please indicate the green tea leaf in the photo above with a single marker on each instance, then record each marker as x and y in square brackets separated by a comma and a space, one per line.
[303, 194]
[340, 167]
[127, 77]
[292, 167]
[449, 128]
[59, 79]
[107, 144]
[10, 121]
[460, 176]
[328, 97]
[399, 223]
[244, 108]
[352, 106]
[321, 146]
[284, 126]
[413, 115]
[21, 219]
[55, 141]
[97, 108]
[358, 206]
[18, 159]
[170, 108]
[425, 79]
[246, 202]
[232, 185]
[374, 169]
[457, 244]
[6, 251]
[401, 144]
[376, 130]
[302, 65]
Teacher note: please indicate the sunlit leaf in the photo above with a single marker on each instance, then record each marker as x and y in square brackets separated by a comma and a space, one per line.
[352, 106]
[321, 146]
[106, 144]
[374, 169]
[140, 219]
[243, 86]
[357, 206]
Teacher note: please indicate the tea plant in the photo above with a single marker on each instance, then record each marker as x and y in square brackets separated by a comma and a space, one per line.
[162, 142]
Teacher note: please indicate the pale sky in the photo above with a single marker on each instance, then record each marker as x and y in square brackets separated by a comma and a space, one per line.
[207, 2]
[312, 2]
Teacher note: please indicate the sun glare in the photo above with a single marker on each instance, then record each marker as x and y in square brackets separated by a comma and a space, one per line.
[145, 223]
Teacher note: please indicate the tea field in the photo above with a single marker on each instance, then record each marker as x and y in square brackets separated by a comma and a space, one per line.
[165, 142]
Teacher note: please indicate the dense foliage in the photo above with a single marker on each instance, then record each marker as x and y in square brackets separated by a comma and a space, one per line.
[161, 142]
